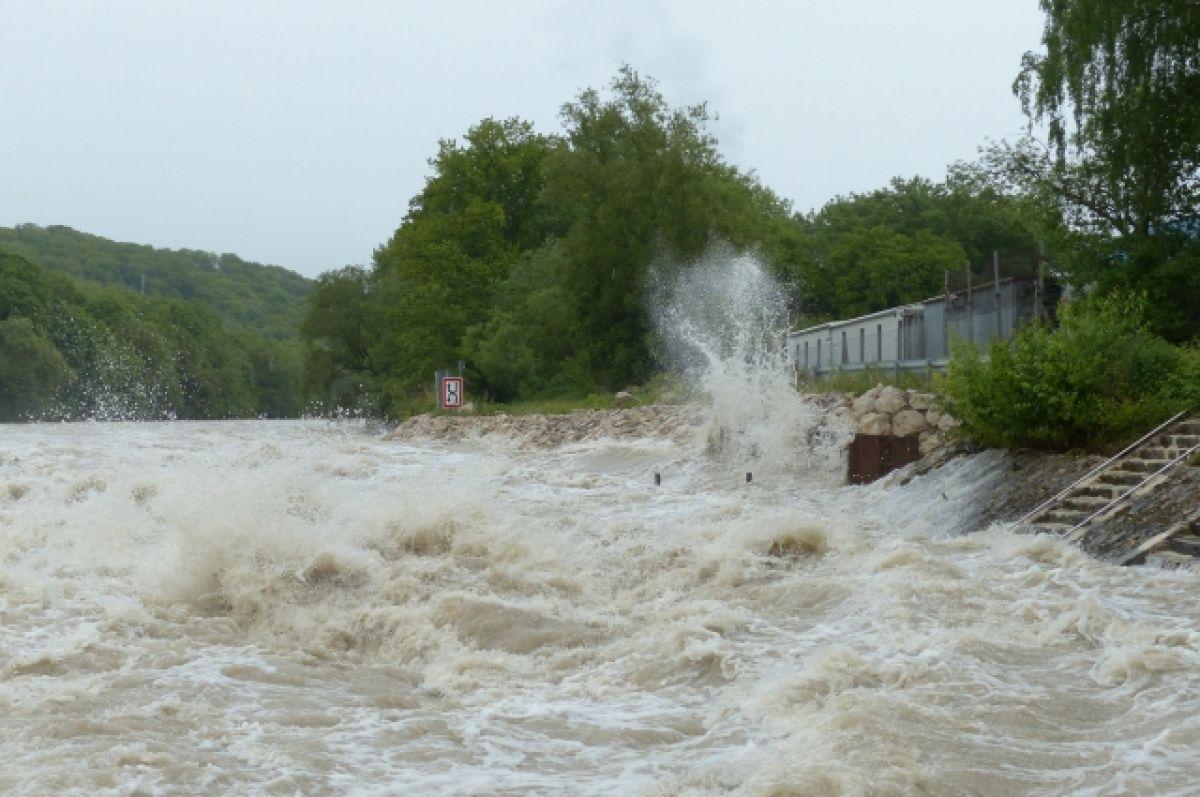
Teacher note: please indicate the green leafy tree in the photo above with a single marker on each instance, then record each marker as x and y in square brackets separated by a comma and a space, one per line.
[864, 269]
[437, 275]
[867, 252]
[23, 288]
[1118, 87]
[639, 181]
[339, 329]
[531, 333]
[31, 370]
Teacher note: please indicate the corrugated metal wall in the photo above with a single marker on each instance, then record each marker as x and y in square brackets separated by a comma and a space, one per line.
[918, 332]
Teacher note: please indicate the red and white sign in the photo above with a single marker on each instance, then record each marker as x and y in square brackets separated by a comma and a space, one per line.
[452, 392]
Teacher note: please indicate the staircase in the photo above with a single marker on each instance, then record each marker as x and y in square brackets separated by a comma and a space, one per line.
[1177, 547]
[1135, 471]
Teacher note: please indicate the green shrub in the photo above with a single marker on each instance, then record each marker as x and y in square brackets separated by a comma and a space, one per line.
[1099, 379]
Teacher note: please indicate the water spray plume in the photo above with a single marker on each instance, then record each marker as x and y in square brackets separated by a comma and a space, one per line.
[721, 322]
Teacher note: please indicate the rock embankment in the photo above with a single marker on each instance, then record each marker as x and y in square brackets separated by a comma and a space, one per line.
[881, 410]
[669, 421]
[893, 411]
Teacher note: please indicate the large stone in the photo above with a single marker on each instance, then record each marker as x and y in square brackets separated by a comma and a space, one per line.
[863, 405]
[891, 400]
[922, 401]
[842, 417]
[623, 399]
[875, 423]
[906, 422]
[932, 416]
[946, 423]
[930, 441]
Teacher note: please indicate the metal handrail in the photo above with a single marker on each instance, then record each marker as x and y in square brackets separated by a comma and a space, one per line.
[1103, 466]
[1074, 530]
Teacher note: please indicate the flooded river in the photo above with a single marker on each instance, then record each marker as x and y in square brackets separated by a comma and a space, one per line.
[308, 608]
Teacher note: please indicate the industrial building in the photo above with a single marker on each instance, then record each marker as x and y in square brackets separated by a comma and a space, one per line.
[917, 337]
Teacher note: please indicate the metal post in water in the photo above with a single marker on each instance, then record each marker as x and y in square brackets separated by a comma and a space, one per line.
[657, 478]
[749, 477]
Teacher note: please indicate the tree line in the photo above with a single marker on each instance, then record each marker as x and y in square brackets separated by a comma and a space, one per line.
[71, 349]
[527, 256]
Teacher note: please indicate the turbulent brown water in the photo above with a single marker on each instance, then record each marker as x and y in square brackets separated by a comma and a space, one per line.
[302, 607]
[310, 608]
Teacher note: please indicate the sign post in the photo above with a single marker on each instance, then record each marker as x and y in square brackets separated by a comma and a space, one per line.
[451, 393]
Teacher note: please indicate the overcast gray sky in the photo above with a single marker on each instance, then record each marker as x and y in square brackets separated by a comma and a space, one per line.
[294, 132]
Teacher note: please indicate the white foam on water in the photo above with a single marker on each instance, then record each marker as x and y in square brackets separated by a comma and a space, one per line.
[269, 607]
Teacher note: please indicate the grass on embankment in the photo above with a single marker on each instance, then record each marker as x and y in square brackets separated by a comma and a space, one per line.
[660, 389]
[858, 382]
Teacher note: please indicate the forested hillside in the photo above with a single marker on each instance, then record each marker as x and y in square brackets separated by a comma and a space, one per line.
[70, 349]
[265, 300]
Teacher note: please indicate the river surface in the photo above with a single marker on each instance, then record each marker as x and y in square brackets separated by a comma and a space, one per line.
[308, 608]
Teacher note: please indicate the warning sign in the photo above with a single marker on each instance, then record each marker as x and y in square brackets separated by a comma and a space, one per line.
[452, 392]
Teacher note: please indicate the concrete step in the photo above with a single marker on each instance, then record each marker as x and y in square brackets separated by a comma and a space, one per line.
[1119, 478]
[1095, 490]
[1132, 472]
[1138, 465]
[1188, 544]
[1159, 458]
[1068, 517]
[1053, 526]
[1085, 503]
[1171, 560]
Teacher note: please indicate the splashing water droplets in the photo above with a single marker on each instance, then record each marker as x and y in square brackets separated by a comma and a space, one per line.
[721, 322]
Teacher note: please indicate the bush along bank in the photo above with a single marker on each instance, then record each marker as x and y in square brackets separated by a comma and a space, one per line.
[1097, 381]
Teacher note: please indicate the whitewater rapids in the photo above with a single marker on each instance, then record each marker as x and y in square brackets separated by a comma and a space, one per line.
[308, 608]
